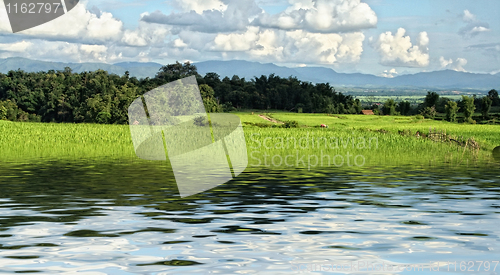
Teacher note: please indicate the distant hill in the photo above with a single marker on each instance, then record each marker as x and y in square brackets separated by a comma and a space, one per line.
[139, 70]
[445, 79]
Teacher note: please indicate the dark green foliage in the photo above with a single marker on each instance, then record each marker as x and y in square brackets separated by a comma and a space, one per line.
[429, 112]
[486, 106]
[431, 99]
[103, 117]
[290, 124]
[389, 107]
[100, 97]
[493, 95]
[468, 108]
[451, 111]
[404, 108]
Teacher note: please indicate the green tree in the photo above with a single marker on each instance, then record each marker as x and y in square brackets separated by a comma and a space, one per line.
[431, 99]
[486, 106]
[451, 111]
[177, 71]
[468, 108]
[404, 107]
[357, 106]
[3, 112]
[389, 107]
[493, 95]
[211, 104]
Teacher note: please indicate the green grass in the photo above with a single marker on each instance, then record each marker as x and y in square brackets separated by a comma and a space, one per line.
[487, 135]
[24, 141]
[346, 135]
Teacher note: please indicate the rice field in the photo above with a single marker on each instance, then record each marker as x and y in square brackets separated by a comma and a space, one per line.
[350, 140]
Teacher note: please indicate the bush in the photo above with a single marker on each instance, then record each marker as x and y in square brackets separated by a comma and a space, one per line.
[419, 117]
[470, 121]
[290, 124]
[429, 112]
[103, 117]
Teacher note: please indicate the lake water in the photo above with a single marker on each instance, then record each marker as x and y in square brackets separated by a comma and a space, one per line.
[119, 217]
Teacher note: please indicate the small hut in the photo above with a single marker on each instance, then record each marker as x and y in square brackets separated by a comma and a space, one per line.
[368, 112]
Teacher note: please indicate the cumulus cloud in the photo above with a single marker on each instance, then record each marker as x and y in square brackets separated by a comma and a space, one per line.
[389, 73]
[146, 35]
[292, 46]
[20, 46]
[468, 16]
[59, 50]
[235, 17]
[308, 32]
[200, 6]
[457, 65]
[79, 24]
[397, 50]
[473, 27]
[323, 16]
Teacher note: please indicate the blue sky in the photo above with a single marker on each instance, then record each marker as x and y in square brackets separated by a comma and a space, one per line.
[380, 37]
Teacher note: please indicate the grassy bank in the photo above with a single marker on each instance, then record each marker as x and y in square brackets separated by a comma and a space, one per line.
[350, 140]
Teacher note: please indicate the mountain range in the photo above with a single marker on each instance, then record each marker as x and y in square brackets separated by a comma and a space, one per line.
[445, 79]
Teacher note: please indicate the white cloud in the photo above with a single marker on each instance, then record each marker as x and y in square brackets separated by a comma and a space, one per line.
[200, 5]
[324, 32]
[473, 27]
[15, 47]
[293, 46]
[60, 51]
[235, 17]
[397, 50]
[323, 16]
[79, 24]
[457, 65]
[468, 16]
[389, 73]
[145, 35]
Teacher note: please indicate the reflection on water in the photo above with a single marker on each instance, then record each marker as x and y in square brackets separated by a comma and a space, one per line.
[127, 218]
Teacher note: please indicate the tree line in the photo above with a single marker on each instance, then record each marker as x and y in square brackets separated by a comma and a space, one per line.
[100, 97]
[434, 104]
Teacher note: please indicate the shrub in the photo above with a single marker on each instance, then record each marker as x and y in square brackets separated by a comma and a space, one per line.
[429, 112]
[290, 124]
[103, 117]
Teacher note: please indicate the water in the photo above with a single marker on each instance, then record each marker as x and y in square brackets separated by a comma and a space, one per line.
[118, 217]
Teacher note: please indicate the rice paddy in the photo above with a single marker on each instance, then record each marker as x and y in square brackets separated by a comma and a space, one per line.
[350, 140]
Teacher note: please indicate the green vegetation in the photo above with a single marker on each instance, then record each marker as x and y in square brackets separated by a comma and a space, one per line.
[435, 107]
[100, 97]
[469, 107]
[380, 140]
[451, 111]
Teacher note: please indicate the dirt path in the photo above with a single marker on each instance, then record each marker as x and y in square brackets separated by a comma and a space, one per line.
[270, 119]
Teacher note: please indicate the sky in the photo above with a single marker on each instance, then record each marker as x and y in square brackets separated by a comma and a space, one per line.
[380, 37]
